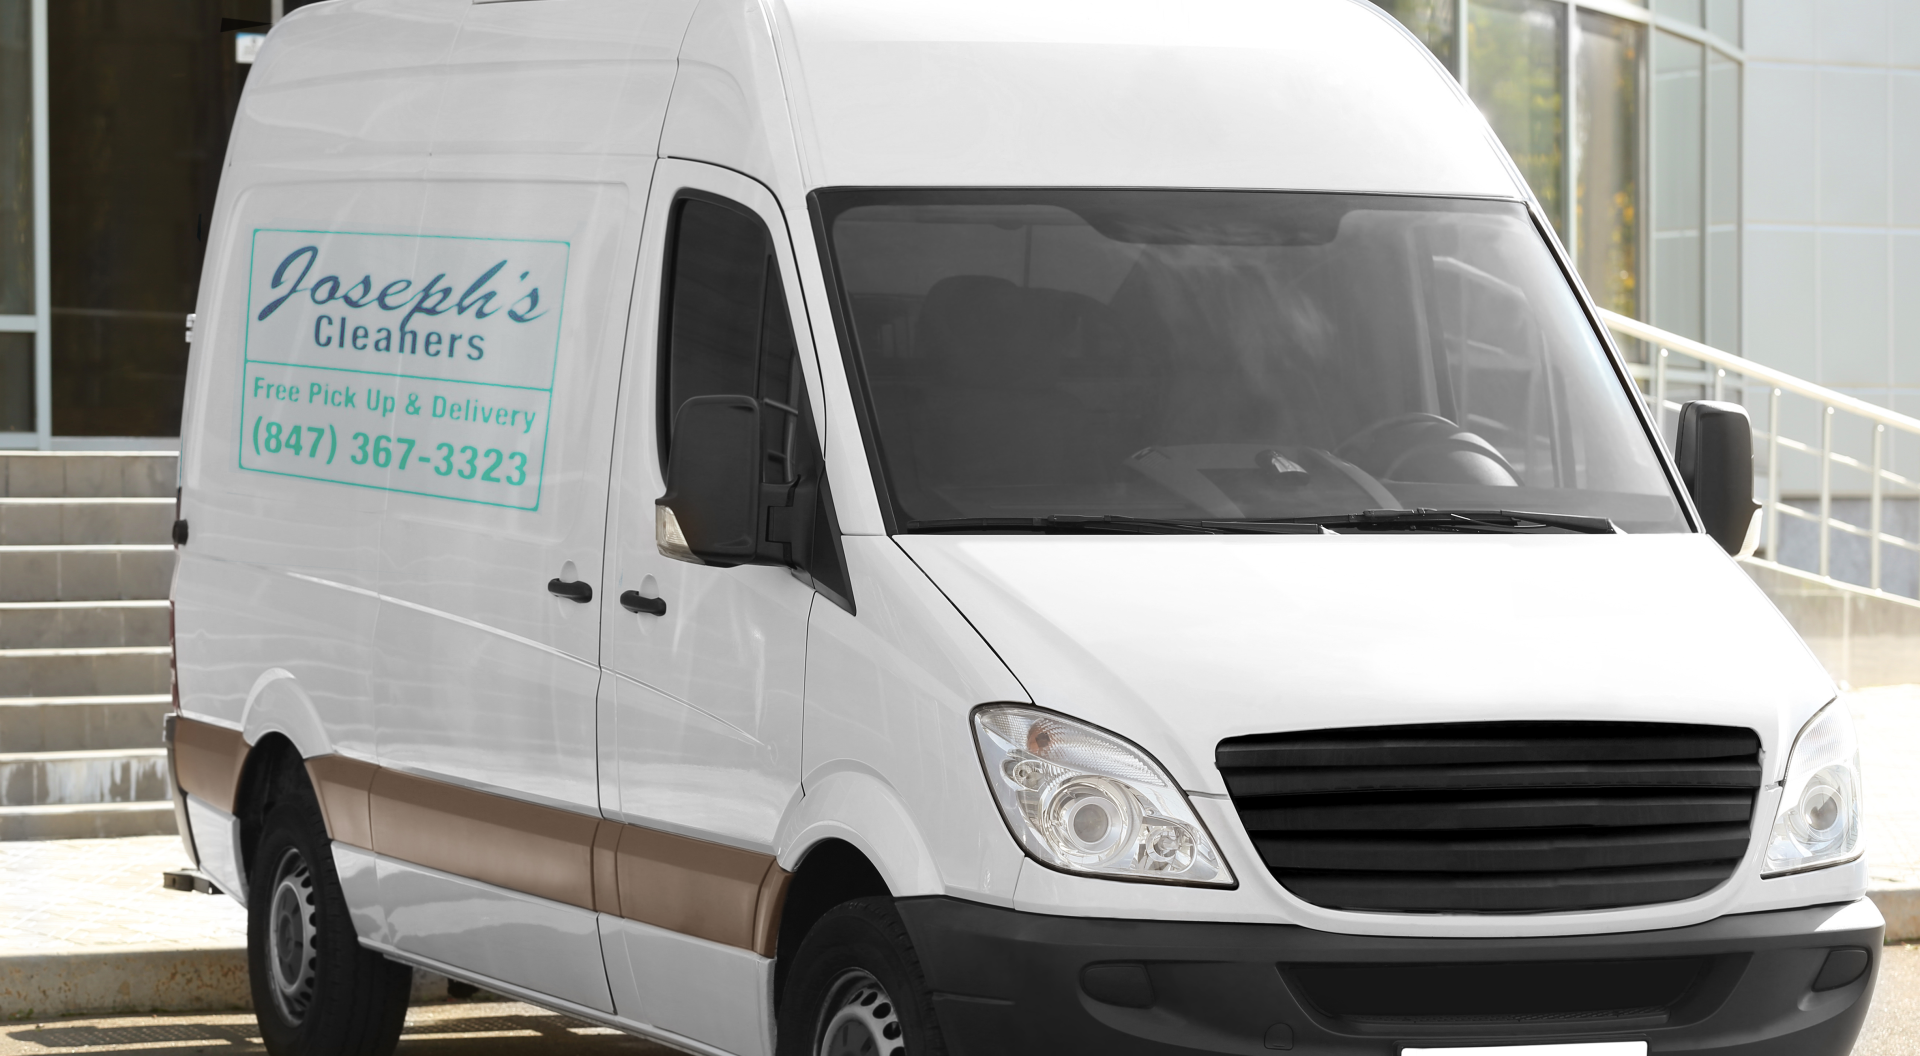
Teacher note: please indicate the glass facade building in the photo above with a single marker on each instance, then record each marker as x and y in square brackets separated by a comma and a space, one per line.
[21, 164]
[114, 117]
[1626, 121]
[1739, 171]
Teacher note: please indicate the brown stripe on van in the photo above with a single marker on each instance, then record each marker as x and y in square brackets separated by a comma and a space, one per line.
[707, 890]
[526, 847]
[606, 883]
[766, 915]
[695, 887]
[342, 786]
[209, 759]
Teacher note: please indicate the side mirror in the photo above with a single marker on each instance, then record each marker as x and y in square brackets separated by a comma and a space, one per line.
[711, 511]
[1715, 455]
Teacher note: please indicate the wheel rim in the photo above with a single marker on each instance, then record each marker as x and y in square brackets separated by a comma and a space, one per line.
[291, 929]
[859, 1019]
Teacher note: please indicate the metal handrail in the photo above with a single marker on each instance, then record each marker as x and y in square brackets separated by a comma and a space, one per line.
[1657, 375]
[1779, 379]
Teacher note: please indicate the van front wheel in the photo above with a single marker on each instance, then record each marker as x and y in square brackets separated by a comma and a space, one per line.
[316, 990]
[856, 989]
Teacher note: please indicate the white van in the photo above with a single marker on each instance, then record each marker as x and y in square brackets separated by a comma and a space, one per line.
[969, 526]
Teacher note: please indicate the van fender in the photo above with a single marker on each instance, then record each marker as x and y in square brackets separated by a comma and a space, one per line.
[860, 807]
[277, 704]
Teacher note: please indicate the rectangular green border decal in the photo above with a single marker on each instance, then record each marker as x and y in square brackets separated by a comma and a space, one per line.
[420, 364]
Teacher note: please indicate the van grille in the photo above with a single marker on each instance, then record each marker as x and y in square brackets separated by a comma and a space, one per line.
[1497, 817]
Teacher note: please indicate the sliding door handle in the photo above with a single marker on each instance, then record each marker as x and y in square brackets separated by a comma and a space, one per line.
[577, 591]
[634, 601]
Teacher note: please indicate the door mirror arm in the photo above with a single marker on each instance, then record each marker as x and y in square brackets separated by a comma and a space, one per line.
[1714, 453]
[788, 536]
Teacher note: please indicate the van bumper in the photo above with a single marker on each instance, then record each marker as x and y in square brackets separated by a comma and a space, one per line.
[182, 822]
[1786, 983]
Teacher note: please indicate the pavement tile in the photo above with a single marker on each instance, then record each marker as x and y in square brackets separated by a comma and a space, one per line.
[80, 893]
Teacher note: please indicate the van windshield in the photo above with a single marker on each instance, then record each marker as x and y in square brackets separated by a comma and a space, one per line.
[1227, 356]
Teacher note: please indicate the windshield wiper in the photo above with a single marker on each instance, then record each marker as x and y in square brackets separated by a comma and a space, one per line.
[1513, 521]
[1073, 524]
[1496, 521]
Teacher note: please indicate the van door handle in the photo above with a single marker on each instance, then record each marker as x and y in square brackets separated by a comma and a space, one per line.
[634, 601]
[578, 591]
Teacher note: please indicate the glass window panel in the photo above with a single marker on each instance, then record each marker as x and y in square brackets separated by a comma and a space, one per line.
[1688, 11]
[1723, 289]
[1607, 166]
[1227, 354]
[1677, 142]
[1723, 202]
[16, 160]
[1515, 75]
[1723, 139]
[728, 331]
[140, 100]
[16, 383]
[1430, 20]
[1723, 19]
[720, 266]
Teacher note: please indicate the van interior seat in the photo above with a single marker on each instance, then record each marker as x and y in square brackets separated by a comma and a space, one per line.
[996, 366]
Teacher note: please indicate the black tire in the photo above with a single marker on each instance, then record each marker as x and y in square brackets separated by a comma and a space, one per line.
[856, 989]
[321, 993]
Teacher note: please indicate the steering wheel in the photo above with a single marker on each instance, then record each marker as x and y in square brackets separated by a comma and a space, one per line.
[1421, 447]
[1356, 447]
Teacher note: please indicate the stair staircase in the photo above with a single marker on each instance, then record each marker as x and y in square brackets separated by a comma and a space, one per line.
[85, 565]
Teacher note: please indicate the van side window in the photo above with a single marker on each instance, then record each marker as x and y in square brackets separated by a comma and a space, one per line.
[726, 332]
[727, 328]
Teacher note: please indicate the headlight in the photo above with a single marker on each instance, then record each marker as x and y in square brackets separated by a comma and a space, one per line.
[1819, 819]
[1085, 801]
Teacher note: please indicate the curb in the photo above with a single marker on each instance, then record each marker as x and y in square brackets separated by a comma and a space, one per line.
[123, 979]
[1900, 904]
[105, 979]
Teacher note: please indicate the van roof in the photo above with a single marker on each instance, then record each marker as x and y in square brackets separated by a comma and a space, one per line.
[1285, 94]
[1299, 94]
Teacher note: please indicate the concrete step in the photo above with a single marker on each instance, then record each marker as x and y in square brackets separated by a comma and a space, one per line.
[82, 624]
[85, 572]
[42, 521]
[72, 724]
[114, 775]
[115, 670]
[63, 821]
[90, 474]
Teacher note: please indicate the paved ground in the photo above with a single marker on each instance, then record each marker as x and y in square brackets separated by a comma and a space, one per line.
[70, 894]
[1893, 1025]
[480, 1028]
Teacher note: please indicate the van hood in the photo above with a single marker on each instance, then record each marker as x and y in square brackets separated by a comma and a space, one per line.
[1176, 642]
